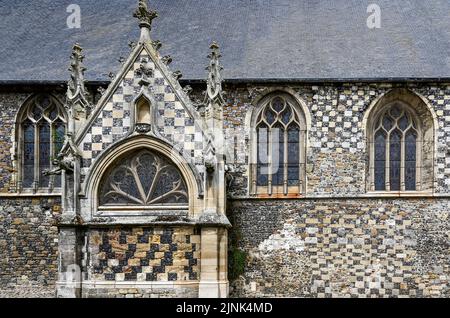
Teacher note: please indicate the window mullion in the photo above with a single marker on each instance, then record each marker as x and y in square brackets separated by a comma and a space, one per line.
[254, 163]
[302, 161]
[36, 156]
[388, 162]
[52, 153]
[419, 148]
[402, 163]
[269, 159]
[285, 162]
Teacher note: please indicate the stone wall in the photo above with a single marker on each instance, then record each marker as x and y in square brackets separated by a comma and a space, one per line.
[342, 247]
[9, 105]
[310, 247]
[336, 111]
[29, 246]
[142, 262]
[144, 254]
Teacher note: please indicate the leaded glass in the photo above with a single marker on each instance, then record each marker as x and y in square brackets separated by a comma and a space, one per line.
[58, 141]
[44, 118]
[293, 155]
[396, 132]
[44, 153]
[277, 104]
[396, 111]
[410, 157]
[403, 123]
[270, 116]
[277, 156]
[53, 113]
[37, 113]
[143, 179]
[28, 154]
[380, 161]
[395, 160]
[387, 123]
[286, 116]
[263, 158]
[278, 159]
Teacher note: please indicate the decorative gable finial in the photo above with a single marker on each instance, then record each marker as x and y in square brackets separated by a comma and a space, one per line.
[145, 17]
[77, 96]
[214, 83]
[76, 69]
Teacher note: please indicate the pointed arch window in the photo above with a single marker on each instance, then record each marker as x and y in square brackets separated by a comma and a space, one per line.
[396, 150]
[144, 180]
[42, 127]
[279, 163]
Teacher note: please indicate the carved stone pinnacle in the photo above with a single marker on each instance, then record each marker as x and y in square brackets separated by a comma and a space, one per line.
[144, 15]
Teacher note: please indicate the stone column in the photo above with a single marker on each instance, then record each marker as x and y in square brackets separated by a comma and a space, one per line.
[224, 284]
[69, 261]
[209, 263]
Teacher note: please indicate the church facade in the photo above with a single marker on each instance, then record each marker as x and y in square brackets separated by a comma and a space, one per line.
[148, 186]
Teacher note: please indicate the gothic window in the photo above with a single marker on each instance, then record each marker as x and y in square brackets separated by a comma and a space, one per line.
[143, 179]
[396, 151]
[41, 135]
[279, 167]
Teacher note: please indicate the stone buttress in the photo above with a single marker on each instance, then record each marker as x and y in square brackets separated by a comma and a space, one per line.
[139, 250]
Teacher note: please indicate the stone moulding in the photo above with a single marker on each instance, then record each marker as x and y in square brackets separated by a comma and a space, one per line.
[90, 208]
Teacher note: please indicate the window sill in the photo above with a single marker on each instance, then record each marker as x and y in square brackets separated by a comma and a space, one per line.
[396, 194]
[30, 194]
[130, 211]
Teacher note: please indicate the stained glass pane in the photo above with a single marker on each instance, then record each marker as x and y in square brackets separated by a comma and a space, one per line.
[387, 123]
[44, 153]
[43, 101]
[263, 160]
[170, 187]
[395, 160]
[380, 161]
[286, 115]
[146, 168]
[270, 116]
[53, 113]
[293, 155]
[36, 112]
[58, 141]
[403, 123]
[278, 104]
[410, 157]
[143, 179]
[277, 156]
[396, 111]
[58, 137]
[28, 154]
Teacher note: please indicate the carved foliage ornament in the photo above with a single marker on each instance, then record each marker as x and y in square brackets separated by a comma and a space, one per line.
[143, 179]
[144, 15]
[214, 82]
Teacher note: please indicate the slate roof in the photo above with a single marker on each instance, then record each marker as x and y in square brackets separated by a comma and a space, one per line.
[260, 39]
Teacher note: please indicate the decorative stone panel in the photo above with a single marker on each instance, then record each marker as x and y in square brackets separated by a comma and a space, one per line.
[337, 112]
[144, 254]
[29, 246]
[343, 248]
[114, 121]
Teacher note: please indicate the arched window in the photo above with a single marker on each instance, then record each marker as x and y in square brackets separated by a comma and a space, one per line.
[401, 141]
[279, 160]
[143, 179]
[396, 150]
[41, 136]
